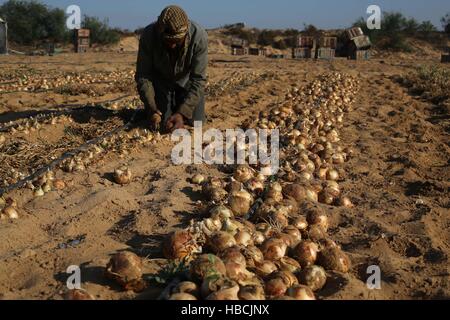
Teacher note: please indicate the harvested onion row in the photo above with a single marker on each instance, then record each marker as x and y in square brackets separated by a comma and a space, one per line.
[283, 251]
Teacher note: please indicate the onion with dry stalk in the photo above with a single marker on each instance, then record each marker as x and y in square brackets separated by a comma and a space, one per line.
[179, 245]
[126, 269]
[265, 268]
[243, 173]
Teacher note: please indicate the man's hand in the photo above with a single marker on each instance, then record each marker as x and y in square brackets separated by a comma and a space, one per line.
[175, 122]
[155, 119]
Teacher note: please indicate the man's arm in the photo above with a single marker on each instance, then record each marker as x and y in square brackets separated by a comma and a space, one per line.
[143, 75]
[197, 81]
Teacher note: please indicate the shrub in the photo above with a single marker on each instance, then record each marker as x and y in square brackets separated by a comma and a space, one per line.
[101, 33]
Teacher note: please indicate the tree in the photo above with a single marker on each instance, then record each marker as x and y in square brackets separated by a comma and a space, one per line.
[446, 23]
[101, 33]
[32, 21]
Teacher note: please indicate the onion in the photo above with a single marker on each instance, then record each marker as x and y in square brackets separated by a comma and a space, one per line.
[233, 255]
[198, 179]
[288, 278]
[205, 266]
[78, 295]
[253, 256]
[314, 277]
[243, 238]
[326, 197]
[294, 233]
[295, 191]
[59, 184]
[278, 219]
[274, 249]
[301, 292]
[316, 233]
[346, 202]
[219, 241]
[275, 192]
[221, 212]
[333, 175]
[188, 287]
[265, 268]
[122, 176]
[229, 294]
[240, 202]
[243, 173]
[255, 186]
[258, 238]
[126, 269]
[47, 187]
[275, 287]
[182, 297]
[318, 217]
[211, 225]
[38, 192]
[300, 223]
[252, 293]
[10, 212]
[179, 245]
[306, 253]
[288, 264]
[333, 258]
[311, 195]
[216, 284]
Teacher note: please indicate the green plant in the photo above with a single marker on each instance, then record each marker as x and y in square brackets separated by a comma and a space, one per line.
[173, 270]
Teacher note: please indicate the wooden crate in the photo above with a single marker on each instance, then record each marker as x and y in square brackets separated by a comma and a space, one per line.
[325, 54]
[82, 49]
[361, 43]
[83, 33]
[360, 55]
[328, 42]
[257, 52]
[237, 42]
[239, 51]
[445, 58]
[302, 53]
[305, 42]
[353, 33]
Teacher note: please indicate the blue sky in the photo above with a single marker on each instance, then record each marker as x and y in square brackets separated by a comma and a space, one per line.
[258, 13]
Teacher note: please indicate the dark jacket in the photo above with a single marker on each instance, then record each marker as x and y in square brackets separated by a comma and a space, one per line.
[157, 76]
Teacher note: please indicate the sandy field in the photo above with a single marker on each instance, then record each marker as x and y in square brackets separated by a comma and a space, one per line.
[398, 177]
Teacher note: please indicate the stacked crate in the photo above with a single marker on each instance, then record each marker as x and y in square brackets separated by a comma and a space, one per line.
[239, 47]
[358, 44]
[305, 47]
[257, 52]
[327, 48]
[82, 40]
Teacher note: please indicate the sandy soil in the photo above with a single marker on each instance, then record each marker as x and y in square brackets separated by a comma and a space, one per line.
[398, 179]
